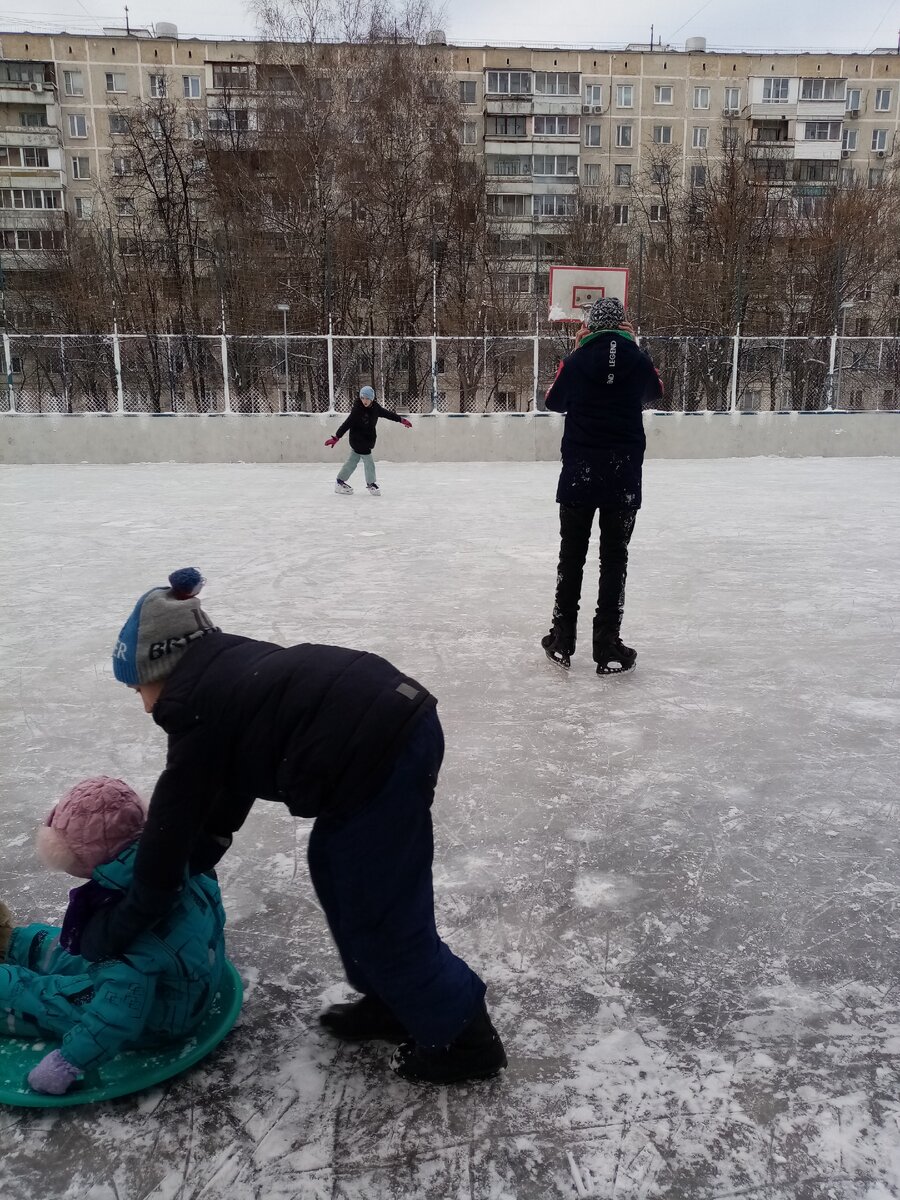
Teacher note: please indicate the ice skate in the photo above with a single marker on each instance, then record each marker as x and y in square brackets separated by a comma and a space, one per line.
[363, 1020]
[476, 1054]
[614, 657]
[342, 489]
[6, 929]
[553, 648]
[373, 489]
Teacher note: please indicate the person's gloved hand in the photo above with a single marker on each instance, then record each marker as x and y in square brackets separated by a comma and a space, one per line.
[408, 424]
[84, 903]
[53, 1075]
[206, 852]
[332, 441]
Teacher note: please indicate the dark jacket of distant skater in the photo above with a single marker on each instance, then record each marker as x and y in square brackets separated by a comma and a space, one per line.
[603, 387]
[361, 423]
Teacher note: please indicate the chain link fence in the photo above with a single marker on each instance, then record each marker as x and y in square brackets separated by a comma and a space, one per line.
[171, 373]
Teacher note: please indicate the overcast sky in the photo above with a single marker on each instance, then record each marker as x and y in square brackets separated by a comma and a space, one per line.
[775, 24]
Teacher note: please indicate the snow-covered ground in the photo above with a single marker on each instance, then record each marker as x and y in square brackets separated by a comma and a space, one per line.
[681, 885]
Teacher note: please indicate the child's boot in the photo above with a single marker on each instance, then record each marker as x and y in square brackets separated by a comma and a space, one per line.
[477, 1053]
[6, 930]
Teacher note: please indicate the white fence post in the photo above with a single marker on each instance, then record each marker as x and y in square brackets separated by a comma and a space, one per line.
[117, 363]
[226, 385]
[735, 356]
[7, 367]
[330, 344]
[434, 391]
[535, 371]
[832, 358]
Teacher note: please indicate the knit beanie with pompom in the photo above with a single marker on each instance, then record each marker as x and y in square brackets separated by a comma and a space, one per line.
[164, 623]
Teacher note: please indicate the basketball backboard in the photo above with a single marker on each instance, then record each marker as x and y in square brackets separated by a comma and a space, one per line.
[573, 290]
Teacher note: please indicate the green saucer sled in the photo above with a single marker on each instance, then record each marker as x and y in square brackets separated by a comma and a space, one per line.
[131, 1071]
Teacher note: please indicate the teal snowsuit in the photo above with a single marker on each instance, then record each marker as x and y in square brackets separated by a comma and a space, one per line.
[156, 992]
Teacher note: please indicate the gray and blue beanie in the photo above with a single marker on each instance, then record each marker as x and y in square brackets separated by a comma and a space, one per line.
[608, 313]
[367, 393]
[164, 623]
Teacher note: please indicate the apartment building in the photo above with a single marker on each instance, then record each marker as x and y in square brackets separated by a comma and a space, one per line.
[545, 121]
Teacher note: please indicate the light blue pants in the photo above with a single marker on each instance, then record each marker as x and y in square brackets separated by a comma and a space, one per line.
[353, 462]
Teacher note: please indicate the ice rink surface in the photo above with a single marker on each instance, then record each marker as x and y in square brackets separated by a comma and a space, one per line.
[681, 885]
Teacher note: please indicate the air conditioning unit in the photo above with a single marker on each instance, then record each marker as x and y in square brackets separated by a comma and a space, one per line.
[729, 112]
[880, 153]
[36, 87]
[845, 154]
[585, 108]
[852, 113]
[597, 108]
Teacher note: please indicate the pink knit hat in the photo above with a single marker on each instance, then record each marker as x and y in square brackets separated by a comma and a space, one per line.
[90, 825]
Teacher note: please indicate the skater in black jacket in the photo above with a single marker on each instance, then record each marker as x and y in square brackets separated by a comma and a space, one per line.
[602, 387]
[361, 423]
[341, 737]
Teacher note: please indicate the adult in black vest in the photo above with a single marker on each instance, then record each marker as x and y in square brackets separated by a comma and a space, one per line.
[602, 387]
[340, 736]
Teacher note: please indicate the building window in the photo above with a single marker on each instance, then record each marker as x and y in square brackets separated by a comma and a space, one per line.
[849, 139]
[624, 95]
[235, 76]
[33, 118]
[124, 207]
[821, 131]
[661, 174]
[505, 127]
[662, 94]
[81, 167]
[854, 99]
[27, 156]
[879, 139]
[701, 97]
[729, 139]
[593, 94]
[876, 177]
[822, 89]
[507, 206]
[557, 83]
[698, 176]
[117, 124]
[701, 137]
[732, 100]
[509, 164]
[882, 99]
[115, 81]
[30, 198]
[812, 171]
[662, 135]
[509, 83]
[84, 208]
[623, 135]
[555, 164]
[30, 239]
[622, 175]
[468, 133]
[77, 125]
[592, 135]
[191, 87]
[553, 206]
[555, 126]
[73, 83]
[467, 91]
[158, 87]
[194, 128]
[775, 89]
[620, 214]
[848, 176]
[657, 212]
[592, 175]
[121, 165]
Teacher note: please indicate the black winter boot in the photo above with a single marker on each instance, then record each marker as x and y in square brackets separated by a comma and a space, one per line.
[476, 1054]
[558, 649]
[363, 1020]
[613, 657]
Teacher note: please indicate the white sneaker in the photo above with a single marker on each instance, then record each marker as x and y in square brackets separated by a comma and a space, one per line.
[373, 489]
[342, 489]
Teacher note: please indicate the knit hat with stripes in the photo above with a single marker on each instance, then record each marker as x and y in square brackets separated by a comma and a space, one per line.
[164, 623]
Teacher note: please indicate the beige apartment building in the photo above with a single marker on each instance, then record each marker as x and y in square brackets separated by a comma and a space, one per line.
[544, 120]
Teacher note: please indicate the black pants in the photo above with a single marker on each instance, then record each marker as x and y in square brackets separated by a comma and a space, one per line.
[616, 528]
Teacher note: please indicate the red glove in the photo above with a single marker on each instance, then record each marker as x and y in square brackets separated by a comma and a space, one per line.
[408, 424]
[332, 441]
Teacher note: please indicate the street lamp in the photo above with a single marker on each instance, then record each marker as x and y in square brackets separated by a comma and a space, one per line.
[284, 309]
[845, 306]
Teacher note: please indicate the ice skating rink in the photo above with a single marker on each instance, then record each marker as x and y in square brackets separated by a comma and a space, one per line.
[682, 886]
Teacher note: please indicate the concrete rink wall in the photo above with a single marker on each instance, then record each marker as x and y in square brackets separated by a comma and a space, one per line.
[531, 437]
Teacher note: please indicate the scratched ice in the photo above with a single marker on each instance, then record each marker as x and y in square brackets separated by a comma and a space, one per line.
[681, 885]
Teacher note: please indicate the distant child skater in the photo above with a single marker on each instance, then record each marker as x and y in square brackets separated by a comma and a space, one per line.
[361, 423]
[157, 993]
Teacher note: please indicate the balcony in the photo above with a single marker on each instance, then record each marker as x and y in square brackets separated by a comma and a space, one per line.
[779, 110]
[821, 110]
[558, 105]
[26, 93]
[781, 149]
[820, 151]
[508, 106]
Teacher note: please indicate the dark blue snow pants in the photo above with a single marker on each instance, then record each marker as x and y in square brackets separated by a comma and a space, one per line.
[372, 874]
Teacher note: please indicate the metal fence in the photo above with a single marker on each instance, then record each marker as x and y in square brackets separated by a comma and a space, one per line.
[231, 373]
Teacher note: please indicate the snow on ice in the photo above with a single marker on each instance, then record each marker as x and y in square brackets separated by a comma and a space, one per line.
[681, 885]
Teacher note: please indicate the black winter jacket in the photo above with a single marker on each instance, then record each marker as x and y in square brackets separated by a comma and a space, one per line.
[361, 423]
[316, 727]
[602, 387]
